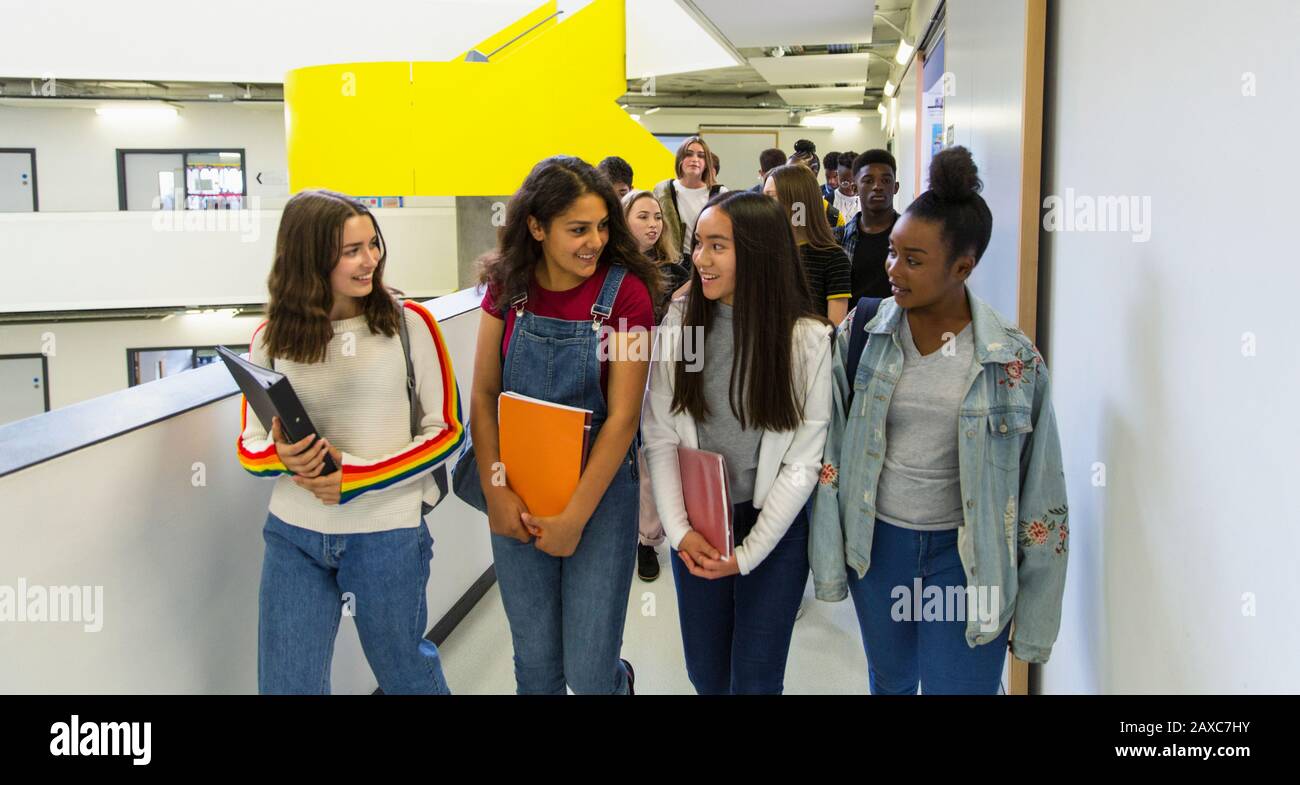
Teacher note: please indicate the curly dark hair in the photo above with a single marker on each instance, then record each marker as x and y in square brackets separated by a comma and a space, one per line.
[551, 188]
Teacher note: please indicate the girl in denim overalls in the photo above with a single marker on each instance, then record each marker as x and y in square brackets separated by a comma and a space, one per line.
[566, 319]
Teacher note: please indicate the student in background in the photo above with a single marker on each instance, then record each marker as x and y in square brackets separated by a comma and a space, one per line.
[830, 164]
[845, 195]
[866, 238]
[823, 261]
[646, 222]
[762, 399]
[806, 154]
[619, 173]
[566, 319]
[683, 197]
[768, 160]
[945, 467]
[333, 329]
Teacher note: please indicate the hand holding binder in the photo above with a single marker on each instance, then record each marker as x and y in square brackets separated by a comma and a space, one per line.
[271, 397]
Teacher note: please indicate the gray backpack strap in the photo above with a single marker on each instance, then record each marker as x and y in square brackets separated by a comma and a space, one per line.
[410, 369]
[440, 473]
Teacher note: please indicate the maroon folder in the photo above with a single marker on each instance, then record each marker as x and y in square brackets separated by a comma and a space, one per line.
[708, 497]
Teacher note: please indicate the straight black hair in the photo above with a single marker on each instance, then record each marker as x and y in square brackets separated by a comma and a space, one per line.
[771, 296]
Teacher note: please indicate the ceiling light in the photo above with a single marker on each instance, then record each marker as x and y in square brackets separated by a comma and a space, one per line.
[890, 88]
[652, 111]
[830, 121]
[142, 111]
[905, 51]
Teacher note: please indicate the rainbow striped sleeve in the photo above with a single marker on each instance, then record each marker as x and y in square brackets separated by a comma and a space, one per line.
[443, 431]
[254, 446]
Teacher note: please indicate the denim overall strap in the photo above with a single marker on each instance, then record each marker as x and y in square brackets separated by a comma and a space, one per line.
[558, 360]
[605, 301]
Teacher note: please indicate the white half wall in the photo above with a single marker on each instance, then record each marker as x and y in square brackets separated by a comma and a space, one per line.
[176, 551]
[86, 261]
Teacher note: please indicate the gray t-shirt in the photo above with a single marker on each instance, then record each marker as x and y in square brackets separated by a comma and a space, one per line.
[720, 432]
[920, 485]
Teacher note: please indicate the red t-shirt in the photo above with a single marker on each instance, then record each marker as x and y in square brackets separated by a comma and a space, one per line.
[632, 305]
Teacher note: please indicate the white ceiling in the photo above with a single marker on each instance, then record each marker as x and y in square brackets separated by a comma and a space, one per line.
[818, 96]
[777, 22]
[663, 39]
[813, 69]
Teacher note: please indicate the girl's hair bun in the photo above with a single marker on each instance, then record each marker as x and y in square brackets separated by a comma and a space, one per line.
[805, 146]
[954, 176]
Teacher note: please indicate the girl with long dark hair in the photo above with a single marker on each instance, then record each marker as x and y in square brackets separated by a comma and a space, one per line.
[759, 395]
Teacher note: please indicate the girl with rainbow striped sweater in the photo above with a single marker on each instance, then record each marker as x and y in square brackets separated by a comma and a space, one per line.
[353, 541]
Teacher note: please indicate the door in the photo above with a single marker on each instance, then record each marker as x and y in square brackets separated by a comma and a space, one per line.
[18, 181]
[148, 178]
[23, 389]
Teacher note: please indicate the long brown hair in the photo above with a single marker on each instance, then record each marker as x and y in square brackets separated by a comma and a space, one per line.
[551, 188]
[307, 247]
[795, 185]
[662, 250]
[710, 176]
[771, 296]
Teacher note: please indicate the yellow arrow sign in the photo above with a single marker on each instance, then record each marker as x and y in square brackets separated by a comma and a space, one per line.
[471, 128]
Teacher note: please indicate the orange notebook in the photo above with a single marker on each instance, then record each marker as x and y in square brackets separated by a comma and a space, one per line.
[544, 448]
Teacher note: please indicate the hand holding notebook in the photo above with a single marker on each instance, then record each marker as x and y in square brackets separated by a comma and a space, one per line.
[544, 448]
[708, 497]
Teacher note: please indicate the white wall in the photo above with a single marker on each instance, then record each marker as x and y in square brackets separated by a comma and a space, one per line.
[179, 563]
[905, 139]
[76, 261]
[985, 50]
[76, 158]
[89, 358]
[1145, 342]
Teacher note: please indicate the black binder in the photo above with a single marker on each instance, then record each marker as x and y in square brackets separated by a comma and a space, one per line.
[270, 394]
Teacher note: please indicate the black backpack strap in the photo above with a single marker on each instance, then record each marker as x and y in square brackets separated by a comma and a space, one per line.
[863, 313]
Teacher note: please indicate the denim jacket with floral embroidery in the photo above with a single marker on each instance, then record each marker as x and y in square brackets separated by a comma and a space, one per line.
[1014, 538]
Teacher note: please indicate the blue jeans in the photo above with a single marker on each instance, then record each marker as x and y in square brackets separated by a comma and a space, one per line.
[566, 614]
[310, 579]
[736, 630]
[901, 653]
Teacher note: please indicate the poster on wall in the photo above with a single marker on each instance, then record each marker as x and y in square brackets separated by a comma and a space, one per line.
[934, 132]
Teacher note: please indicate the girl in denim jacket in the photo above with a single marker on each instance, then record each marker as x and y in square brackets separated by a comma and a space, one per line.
[942, 486]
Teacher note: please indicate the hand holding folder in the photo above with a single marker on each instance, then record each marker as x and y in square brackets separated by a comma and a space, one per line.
[708, 497]
[544, 448]
[270, 395]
